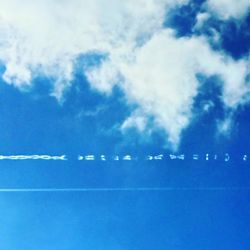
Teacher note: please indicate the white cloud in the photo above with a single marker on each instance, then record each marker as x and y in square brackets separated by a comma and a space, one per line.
[161, 77]
[156, 70]
[229, 8]
[47, 35]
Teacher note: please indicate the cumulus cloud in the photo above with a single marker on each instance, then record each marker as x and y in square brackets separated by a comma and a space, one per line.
[229, 8]
[48, 36]
[155, 69]
[161, 77]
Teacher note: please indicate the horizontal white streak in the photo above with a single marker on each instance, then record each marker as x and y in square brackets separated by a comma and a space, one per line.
[129, 189]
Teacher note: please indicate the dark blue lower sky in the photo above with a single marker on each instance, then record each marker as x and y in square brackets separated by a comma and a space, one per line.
[125, 220]
[195, 218]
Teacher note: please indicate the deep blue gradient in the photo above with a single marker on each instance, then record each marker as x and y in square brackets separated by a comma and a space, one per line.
[177, 219]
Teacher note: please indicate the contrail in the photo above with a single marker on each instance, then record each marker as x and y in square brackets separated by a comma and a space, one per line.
[33, 157]
[129, 189]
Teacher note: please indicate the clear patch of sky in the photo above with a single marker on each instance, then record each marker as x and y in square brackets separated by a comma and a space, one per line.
[115, 221]
[31, 124]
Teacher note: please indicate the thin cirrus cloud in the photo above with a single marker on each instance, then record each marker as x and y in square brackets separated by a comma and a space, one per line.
[155, 69]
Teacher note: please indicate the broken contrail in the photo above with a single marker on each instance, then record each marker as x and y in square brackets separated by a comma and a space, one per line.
[33, 157]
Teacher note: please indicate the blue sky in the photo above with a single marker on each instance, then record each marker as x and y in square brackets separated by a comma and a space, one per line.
[125, 78]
